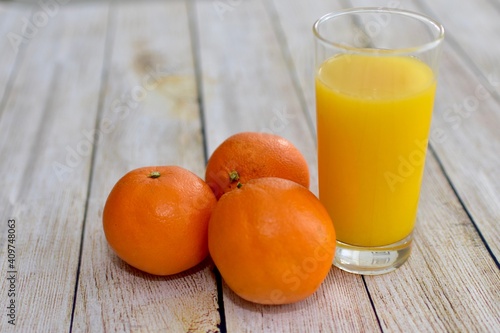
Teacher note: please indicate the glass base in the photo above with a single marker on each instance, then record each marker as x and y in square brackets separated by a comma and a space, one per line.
[372, 260]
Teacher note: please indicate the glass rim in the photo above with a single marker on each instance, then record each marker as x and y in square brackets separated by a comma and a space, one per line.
[420, 17]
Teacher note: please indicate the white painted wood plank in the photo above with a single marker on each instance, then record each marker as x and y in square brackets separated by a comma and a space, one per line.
[150, 117]
[466, 117]
[244, 78]
[474, 28]
[246, 84]
[450, 283]
[467, 142]
[54, 96]
[339, 305]
[453, 290]
[467, 113]
[296, 20]
[424, 294]
[11, 16]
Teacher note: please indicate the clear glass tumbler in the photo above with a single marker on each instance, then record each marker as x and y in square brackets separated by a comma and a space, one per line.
[375, 74]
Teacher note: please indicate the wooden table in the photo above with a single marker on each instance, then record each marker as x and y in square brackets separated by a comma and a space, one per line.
[91, 90]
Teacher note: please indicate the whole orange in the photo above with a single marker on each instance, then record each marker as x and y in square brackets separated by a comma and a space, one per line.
[156, 219]
[249, 155]
[272, 241]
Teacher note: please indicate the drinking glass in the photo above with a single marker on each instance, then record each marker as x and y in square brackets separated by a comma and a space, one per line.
[375, 76]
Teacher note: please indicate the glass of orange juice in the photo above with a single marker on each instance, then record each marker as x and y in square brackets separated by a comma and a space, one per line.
[375, 76]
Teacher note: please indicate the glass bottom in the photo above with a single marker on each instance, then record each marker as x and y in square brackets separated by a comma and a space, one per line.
[372, 260]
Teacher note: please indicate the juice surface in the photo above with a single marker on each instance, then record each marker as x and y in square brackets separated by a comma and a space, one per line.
[373, 119]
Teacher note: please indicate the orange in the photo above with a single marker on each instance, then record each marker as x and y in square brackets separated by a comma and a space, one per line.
[249, 155]
[272, 241]
[156, 219]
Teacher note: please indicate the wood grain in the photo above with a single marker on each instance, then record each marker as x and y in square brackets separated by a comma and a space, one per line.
[11, 30]
[468, 146]
[243, 77]
[402, 299]
[472, 31]
[339, 305]
[466, 113]
[149, 116]
[100, 89]
[295, 22]
[245, 82]
[466, 119]
[53, 97]
[450, 283]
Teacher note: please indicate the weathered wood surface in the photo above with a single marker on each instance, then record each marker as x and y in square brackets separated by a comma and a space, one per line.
[98, 89]
[149, 116]
[437, 268]
[465, 131]
[466, 119]
[54, 94]
[247, 86]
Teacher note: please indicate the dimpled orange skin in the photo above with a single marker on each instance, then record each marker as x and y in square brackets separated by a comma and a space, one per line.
[159, 225]
[272, 241]
[254, 155]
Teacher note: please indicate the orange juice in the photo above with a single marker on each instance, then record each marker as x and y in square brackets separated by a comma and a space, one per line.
[373, 118]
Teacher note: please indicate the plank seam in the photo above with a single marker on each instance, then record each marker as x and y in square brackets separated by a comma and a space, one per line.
[464, 206]
[464, 56]
[193, 28]
[38, 145]
[372, 303]
[10, 81]
[278, 29]
[290, 64]
[196, 50]
[20, 55]
[109, 41]
[220, 300]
